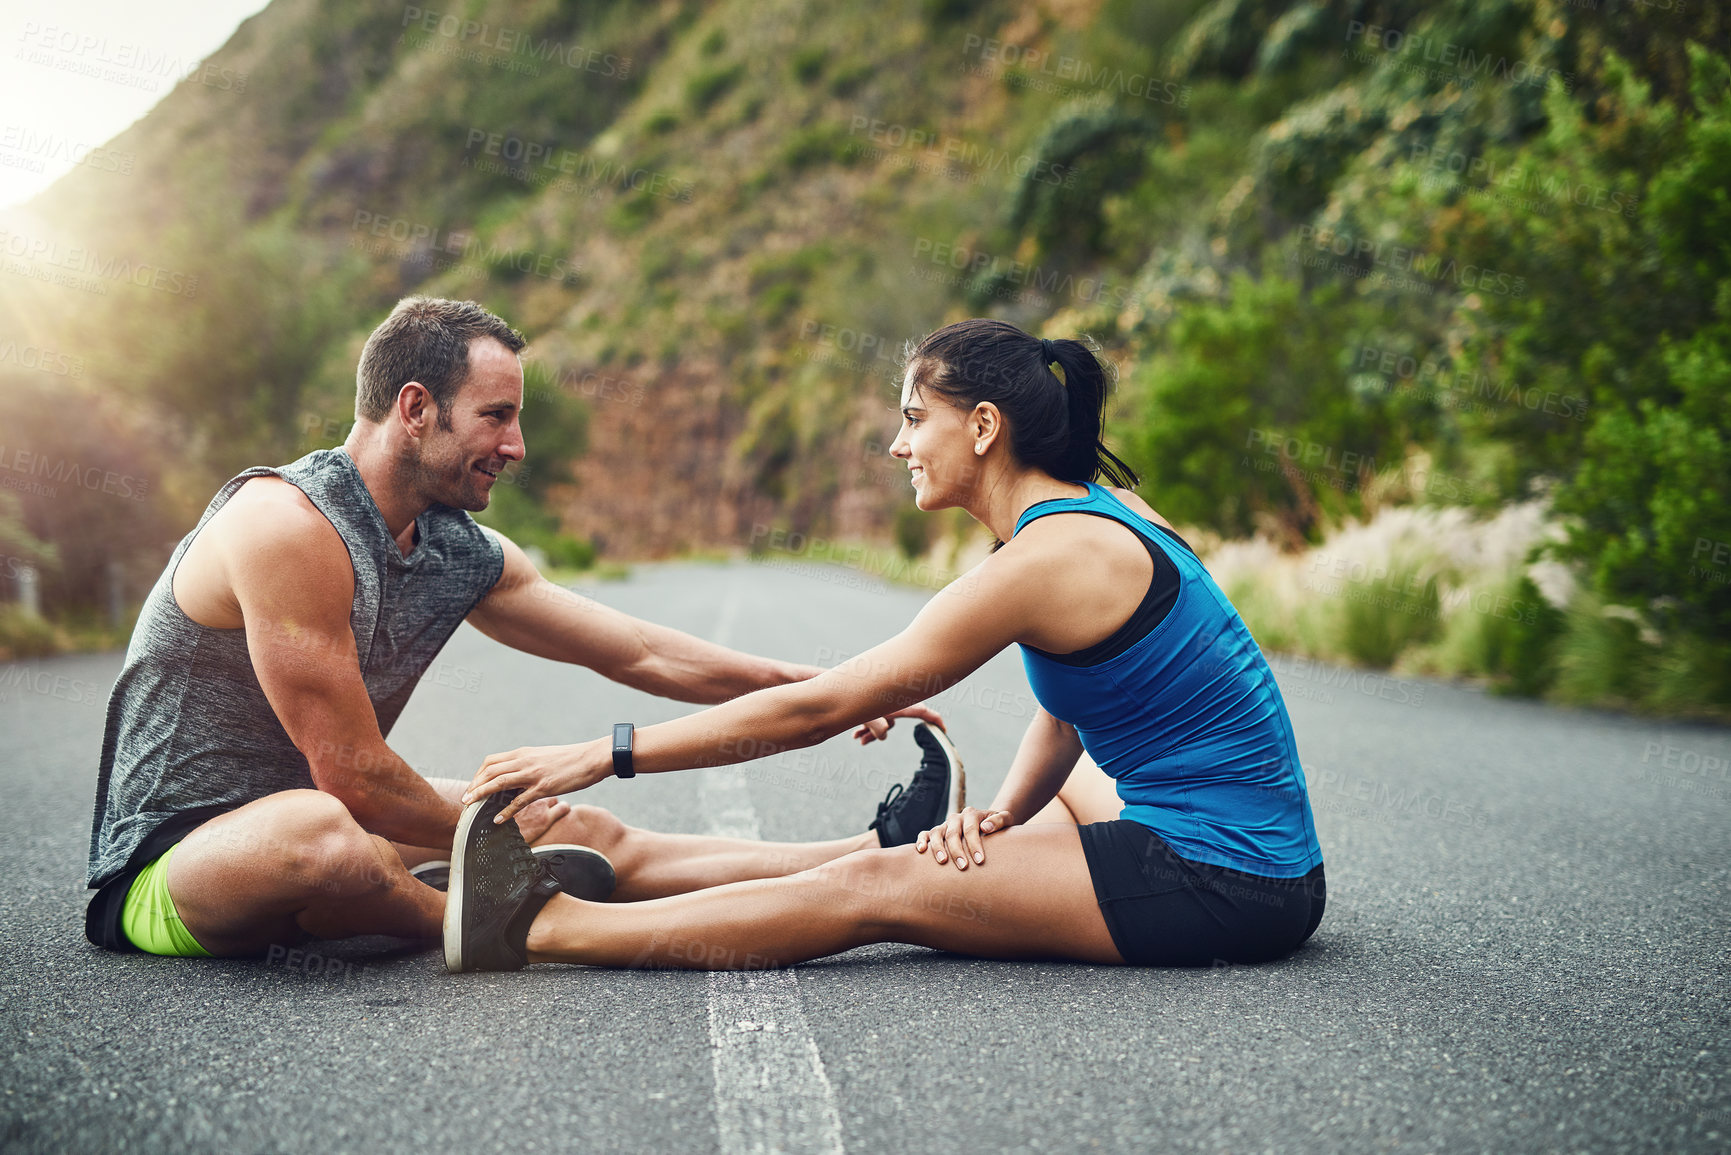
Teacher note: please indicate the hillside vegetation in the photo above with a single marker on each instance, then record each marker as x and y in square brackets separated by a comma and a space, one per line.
[1357, 261]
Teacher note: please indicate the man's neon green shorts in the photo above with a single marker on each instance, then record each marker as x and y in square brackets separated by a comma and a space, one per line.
[149, 918]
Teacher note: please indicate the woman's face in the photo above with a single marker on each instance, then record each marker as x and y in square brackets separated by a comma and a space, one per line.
[935, 442]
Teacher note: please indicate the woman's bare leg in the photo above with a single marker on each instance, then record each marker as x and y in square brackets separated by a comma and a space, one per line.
[649, 864]
[1033, 900]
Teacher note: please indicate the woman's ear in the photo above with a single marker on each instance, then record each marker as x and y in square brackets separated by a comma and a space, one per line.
[985, 423]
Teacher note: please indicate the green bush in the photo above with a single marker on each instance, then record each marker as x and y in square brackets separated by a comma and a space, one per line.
[1653, 493]
[1381, 618]
[820, 144]
[1088, 150]
[1509, 636]
[913, 531]
[26, 635]
[1601, 659]
[710, 85]
[1246, 419]
[518, 516]
[848, 79]
[808, 63]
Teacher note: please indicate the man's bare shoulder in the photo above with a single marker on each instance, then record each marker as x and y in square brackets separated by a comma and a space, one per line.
[268, 535]
[271, 531]
[267, 508]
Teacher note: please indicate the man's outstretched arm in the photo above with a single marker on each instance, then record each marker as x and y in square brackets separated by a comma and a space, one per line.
[292, 579]
[527, 612]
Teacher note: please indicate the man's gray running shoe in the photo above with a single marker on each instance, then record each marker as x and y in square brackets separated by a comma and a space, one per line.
[498, 886]
[583, 872]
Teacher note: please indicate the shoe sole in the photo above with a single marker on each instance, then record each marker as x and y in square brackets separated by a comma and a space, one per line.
[958, 779]
[419, 871]
[454, 956]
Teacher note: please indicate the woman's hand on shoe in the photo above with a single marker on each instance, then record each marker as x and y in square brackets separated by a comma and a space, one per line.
[874, 730]
[961, 838]
[539, 772]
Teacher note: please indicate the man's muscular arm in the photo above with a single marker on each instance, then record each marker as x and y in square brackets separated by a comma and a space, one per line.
[291, 575]
[527, 612]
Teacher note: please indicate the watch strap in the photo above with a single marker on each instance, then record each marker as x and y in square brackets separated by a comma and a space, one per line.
[624, 739]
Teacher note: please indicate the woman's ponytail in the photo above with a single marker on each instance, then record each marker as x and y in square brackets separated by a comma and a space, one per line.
[1085, 456]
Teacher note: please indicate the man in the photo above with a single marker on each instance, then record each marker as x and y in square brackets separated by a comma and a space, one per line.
[247, 796]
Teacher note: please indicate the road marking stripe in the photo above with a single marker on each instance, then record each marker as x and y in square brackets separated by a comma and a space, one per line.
[771, 1091]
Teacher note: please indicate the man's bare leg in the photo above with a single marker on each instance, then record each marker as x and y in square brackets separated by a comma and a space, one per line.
[290, 865]
[650, 864]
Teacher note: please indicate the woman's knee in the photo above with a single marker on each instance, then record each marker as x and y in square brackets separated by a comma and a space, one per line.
[594, 827]
[882, 889]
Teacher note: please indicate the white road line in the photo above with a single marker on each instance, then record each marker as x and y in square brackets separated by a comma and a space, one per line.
[771, 1092]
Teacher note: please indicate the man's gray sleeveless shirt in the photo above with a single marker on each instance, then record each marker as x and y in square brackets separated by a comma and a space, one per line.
[190, 728]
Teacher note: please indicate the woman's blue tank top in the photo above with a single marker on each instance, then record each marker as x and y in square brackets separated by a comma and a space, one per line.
[1188, 721]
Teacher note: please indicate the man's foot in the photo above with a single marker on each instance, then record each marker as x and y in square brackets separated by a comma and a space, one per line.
[939, 789]
[498, 886]
[582, 871]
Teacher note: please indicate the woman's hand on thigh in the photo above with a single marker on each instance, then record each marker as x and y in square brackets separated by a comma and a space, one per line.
[962, 837]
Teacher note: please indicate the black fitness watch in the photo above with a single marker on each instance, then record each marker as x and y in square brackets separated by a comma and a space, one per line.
[623, 736]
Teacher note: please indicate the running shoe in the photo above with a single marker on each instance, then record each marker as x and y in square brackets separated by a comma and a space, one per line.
[938, 790]
[498, 886]
[582, 871]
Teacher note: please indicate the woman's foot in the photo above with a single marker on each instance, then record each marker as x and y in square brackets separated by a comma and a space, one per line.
[938, 790]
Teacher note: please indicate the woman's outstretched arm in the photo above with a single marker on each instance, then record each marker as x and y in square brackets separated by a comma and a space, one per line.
[966, 623]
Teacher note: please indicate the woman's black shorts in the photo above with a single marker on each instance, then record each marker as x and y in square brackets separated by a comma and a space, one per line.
[1164, 910]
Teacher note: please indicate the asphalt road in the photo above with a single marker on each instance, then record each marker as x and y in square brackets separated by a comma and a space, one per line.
[1525, 949]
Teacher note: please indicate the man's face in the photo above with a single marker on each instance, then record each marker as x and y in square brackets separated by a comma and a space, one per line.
[459, 466]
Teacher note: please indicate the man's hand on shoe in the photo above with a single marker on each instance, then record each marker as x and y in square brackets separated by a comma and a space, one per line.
[874, 730]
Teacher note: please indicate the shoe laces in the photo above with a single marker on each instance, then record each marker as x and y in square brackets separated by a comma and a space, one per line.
[888, 804]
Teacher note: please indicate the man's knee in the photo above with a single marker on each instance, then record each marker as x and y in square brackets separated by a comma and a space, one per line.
[306, 836]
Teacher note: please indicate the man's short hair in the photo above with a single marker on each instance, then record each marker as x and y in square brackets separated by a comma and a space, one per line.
[425, 339]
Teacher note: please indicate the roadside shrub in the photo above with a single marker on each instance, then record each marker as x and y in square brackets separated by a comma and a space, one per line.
[710, 85]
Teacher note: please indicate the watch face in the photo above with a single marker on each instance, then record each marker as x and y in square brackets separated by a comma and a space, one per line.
[622, 736]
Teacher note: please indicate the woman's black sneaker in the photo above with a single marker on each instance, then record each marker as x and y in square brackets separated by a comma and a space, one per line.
[583, 872]
[498, 886]
[939, 789]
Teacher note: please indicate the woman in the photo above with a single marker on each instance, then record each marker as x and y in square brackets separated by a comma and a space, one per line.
[1135, 657]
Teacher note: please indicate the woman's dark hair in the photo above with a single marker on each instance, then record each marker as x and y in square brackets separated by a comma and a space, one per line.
[1055, 425]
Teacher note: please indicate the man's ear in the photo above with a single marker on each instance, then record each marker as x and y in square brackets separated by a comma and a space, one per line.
[415, 407]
